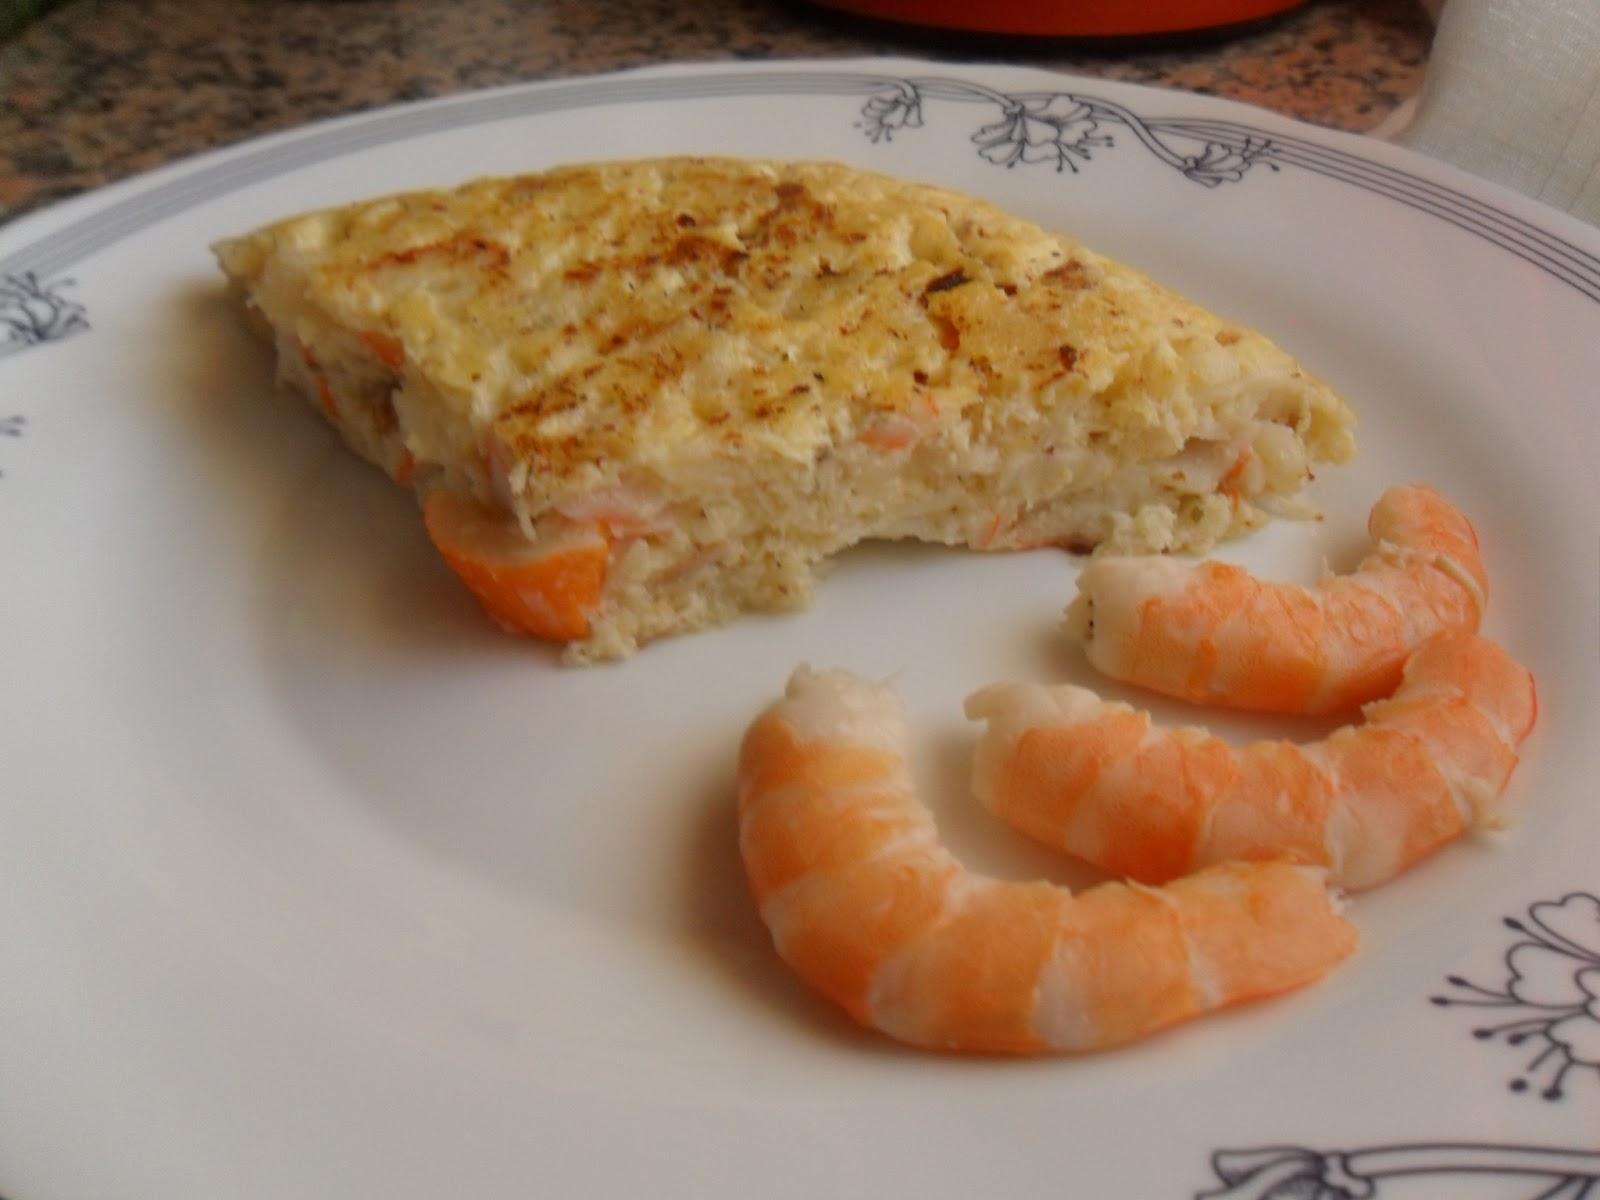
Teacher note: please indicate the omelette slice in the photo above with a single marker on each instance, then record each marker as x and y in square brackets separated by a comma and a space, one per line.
[640, 398]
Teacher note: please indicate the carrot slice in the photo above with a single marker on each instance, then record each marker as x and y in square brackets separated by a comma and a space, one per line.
[405, 468]
[385, 347]
[892, 432]
[1229, 483]
[549, 590]
[330, 402]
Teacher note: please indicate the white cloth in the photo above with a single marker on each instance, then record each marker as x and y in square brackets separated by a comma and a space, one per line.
[1512, 93]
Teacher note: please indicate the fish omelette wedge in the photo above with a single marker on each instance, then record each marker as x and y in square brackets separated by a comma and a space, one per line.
[639, 398]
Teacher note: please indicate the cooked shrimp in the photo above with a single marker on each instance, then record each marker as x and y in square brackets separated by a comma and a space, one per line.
[1214, 634]
[1099, 780]
[867, 905]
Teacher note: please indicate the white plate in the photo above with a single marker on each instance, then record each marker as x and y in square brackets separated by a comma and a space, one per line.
[313, 884]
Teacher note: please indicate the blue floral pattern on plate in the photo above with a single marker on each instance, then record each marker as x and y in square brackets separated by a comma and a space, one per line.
[1061, 130]
[1552, 986]
[34, 311]
[1551, 992]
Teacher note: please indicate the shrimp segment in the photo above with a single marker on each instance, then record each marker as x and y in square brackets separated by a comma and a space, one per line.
[1214, 634]
[1100, 781]
[865, 903]
[548, 591]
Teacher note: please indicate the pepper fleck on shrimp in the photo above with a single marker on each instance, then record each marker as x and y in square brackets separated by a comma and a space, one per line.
[1214, 634]
[866, 904]
[1101, 781]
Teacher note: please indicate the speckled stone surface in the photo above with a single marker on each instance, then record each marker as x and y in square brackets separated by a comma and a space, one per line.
[101, 89]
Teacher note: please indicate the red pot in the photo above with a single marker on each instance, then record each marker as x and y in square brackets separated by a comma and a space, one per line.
[1067, 18]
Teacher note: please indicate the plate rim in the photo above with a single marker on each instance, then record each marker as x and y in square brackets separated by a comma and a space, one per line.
[83, 225]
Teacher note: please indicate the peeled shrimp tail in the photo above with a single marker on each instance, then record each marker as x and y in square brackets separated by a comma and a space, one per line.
[1214, 634]
[1103, 782]
[870, 909]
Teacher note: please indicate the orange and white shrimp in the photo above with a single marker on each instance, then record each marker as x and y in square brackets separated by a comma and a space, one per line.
[867, 905]
[1101, 781]
[1214, 634]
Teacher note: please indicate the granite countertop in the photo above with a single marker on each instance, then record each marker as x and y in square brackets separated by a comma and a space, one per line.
[97, 90]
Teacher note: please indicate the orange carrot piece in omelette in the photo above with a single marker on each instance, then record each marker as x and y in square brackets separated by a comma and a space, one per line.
[548, 591]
